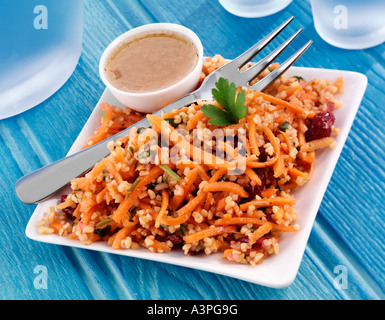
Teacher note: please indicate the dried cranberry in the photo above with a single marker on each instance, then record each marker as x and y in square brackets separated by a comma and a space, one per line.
[320, 126]
[174, 239]
[159, 238]
[262, 154]
[257, 190]
[69, 210]
[245, 239]
[258, 243]
[69, 213]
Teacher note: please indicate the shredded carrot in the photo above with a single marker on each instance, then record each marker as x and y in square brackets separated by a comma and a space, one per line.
[193, 121]
[120, 213]
[209, 232]
[111, 169]
[260, 232]
[226, 186]
[123, 233]
[186, 185]
[239, 220]
[308, 96]
[253, 176]
[185, 212]
[339, 83]
[276, 201]
[56, 226]
[253, 136]
[317, 144]
[101, 132]
[209, 198]
[196, 153]
[163, 208]
[280, 102]
[294, 172]
[269, 192]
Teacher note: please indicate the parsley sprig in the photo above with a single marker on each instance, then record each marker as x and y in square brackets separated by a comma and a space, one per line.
[233, 104]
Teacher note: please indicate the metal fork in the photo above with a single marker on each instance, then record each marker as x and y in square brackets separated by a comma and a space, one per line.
[42, 183]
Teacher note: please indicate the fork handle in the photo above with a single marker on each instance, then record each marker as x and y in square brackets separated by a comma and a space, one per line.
[42, 183]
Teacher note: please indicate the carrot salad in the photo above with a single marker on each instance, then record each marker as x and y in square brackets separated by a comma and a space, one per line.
[214, 176]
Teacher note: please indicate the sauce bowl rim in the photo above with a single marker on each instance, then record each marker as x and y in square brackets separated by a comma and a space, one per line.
[156, 28]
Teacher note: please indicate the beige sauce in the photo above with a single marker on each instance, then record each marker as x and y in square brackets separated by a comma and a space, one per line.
[151, 62]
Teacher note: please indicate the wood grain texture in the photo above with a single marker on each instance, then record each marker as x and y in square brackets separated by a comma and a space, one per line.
[349, 229]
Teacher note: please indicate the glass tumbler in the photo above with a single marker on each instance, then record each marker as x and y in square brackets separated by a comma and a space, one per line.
[40, 45]
[350, 24]
[254, 8]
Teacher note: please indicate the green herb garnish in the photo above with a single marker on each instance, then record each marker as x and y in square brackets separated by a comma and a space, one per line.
[133, 186]
[170, 172]
[298, 78]
[183, 229]
[103, 222]
[278, 186]
[231, 102]
[171, 122]
[284, 126]
[103, 231]
[140, 130]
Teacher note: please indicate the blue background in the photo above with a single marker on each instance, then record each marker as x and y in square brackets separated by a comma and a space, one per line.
[348, 231]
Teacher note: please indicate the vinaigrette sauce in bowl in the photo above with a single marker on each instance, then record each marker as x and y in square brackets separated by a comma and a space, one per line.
[151, 62]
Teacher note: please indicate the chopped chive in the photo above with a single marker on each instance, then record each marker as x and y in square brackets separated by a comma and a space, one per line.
[270, 69]
[298, 78]
[104, 114]
[103, 231]
[284, 126]
[131, 149]
[171, 121]
[103, 222]
[135, 183]
[104, 170]
[133, 187]
[170, 172]
[278, 186]
[183, 229]
[140, 130]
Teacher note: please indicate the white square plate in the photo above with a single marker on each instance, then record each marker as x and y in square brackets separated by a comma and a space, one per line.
[277, 271]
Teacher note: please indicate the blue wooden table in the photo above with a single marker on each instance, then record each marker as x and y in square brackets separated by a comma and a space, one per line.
[348, 234]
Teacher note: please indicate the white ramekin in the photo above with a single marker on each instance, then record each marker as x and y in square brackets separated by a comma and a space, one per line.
[149, 102]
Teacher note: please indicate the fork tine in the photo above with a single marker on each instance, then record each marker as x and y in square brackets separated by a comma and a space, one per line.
[249, 54]
[266, 81]
[251, 73]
